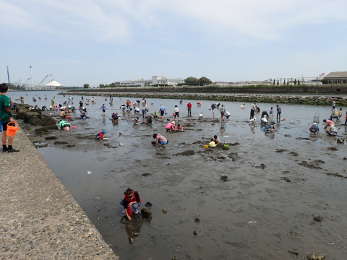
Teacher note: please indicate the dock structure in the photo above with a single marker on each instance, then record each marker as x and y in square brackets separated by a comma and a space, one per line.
[39, 218]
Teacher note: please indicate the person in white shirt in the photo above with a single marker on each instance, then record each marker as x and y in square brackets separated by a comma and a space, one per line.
[176, 112]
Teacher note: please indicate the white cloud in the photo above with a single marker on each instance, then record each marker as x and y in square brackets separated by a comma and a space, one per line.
[115, 19]
[11, 15]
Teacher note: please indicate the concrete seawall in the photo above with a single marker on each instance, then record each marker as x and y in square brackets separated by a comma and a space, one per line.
[39, 218]
[259, 89]
[253, 98]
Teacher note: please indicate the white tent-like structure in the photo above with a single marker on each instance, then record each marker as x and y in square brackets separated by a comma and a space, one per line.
[53, 83]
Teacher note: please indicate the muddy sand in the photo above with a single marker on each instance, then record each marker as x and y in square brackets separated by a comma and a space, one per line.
[280, 196]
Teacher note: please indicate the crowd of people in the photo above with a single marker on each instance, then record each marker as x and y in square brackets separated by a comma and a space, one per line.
[139, 111]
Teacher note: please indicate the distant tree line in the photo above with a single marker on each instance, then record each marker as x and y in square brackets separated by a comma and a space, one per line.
[192, 81]
[286, 82]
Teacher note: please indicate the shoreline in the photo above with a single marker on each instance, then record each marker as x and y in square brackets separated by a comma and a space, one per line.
[40, 218]
[248, 98]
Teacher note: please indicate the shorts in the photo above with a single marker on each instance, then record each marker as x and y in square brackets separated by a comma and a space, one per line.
[162, 142]
[177, 114]
[3, 126]
[162, 113]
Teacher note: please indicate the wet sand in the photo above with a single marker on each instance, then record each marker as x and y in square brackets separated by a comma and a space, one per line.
[276, 189]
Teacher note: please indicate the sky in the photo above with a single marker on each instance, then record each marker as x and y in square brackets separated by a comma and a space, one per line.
[103, 41]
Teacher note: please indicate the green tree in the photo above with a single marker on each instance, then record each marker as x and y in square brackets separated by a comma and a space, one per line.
[204, 81]
[86, 86]
[191, 81]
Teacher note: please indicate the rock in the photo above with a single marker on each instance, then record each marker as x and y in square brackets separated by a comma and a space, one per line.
[336, 175]
[340, 140]
[164, 211]
[286, 135]
[197, 220]
[332, 148]
[70, 145]
[51, 138]
[293, 252]
[286, 179]
[311, 165]
[280, 150]
[261, 166]
[293, 153]
[302, 138]
[60, 142]
[315, 257]
[344, 158]
[224, 178]
[233, 156]
[234, 144]
[148, 204]
[318, 218]
[186, 153]
[40, 144]
[146, 213]
[36, 118]
[195, 233]
[146, 174]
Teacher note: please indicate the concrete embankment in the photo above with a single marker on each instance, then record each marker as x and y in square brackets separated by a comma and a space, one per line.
[39, 218]
[256, 98]
[236, 89]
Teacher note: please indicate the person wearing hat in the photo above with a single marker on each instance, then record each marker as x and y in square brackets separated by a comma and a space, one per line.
[101, 135]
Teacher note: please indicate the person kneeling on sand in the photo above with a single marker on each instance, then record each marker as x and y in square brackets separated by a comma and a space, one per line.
[64, 125]
[159, 139]
[170, 126]
[216, 140]
[101, 135]
[314, 128]
[212, 143]
[131, 204]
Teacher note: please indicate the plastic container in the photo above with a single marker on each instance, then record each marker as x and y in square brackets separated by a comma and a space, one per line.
[205, 146]
[12, 129]
[226, 147]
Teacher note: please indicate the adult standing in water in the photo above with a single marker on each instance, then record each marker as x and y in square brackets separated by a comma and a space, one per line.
[176, 112]
[251, 114]
[189, 107]
[222, 112]
[279, 111]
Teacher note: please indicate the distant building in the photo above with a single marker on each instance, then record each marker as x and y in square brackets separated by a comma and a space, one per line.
[335, 78]
[54, 83]
[159, 81]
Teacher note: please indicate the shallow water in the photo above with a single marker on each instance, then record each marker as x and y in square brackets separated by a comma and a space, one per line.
[257, 214]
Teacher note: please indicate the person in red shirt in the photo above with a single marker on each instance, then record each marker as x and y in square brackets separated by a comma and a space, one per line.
[189, 107]
[131, 204]
[100, 135]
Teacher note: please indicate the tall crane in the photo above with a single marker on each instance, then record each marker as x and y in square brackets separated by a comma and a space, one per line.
[44, 78]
